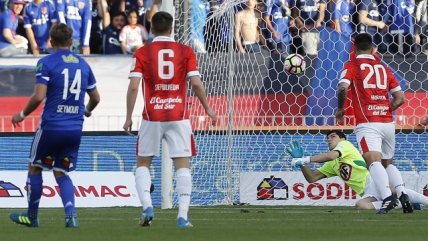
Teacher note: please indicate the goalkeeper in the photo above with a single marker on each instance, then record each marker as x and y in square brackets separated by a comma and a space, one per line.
[345, 161]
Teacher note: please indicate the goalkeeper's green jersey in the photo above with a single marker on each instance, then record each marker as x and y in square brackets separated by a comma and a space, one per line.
[350, 166]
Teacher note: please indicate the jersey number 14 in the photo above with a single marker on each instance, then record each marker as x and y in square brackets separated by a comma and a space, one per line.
[75, 85]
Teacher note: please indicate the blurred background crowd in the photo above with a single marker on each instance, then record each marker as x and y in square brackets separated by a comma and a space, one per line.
[279, 26]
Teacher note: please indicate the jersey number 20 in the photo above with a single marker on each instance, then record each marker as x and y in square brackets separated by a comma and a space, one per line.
[380, 76]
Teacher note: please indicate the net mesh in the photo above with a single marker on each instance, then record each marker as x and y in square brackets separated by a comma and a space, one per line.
[261, 108]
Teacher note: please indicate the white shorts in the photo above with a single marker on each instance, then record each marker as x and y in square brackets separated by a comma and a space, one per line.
[371, 190]
[378, 137]
[310, 42]
[178, 136]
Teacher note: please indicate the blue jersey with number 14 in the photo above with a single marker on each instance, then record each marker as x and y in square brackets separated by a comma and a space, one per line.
[68, 77]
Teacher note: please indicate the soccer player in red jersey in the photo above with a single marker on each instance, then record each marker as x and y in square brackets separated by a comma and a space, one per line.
[371, 83]
[165, 66]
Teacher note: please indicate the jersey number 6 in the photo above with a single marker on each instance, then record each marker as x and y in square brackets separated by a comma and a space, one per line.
[165, 68]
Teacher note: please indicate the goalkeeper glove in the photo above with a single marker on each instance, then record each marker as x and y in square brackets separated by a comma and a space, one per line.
[295, 149]
[297, 163]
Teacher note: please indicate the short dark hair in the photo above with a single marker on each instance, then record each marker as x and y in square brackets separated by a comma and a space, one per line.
[61, 34]
[363, 42]
[161, 22]
[118, 13]
[338, 133]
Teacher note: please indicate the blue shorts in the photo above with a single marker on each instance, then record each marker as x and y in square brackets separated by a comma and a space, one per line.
[57, 150]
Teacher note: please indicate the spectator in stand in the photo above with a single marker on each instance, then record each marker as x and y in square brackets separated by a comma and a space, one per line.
[39, 16]
[309, 17]
[142, 6]
[247, 34]
[371, 21]
[95, 41]
[217, 31]
[3, 5]
[403, 26]
[421, 26]
[199, 12]
[12, 44]
[77, 15]
[276, 18]
[133, 35]
[116, 6]
[342, 17]
[111, 29]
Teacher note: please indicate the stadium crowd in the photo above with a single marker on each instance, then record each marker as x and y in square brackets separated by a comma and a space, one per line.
[281, 26]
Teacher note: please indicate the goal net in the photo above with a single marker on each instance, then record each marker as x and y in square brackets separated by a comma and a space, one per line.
[261, 108]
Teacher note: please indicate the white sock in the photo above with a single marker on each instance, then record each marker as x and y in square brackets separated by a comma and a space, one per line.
[416, 197]
[395, 179]
[377, 204]
[184, 189]
[380, 179]
[143, 181]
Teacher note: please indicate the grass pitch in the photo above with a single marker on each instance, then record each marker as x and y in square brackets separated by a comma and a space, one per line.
[225, 223]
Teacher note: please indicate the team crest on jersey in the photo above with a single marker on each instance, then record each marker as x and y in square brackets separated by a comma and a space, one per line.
[345, 171]
[66, 162]
[44, 10]
[48, 161]
[70, 59]
[80, 5]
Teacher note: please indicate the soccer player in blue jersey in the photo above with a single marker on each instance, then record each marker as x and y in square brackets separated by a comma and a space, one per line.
[38, 19]
[62, 80]
[78, 15]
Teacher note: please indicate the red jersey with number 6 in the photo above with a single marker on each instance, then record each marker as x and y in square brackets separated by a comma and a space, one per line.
[164, 66]
[370, 82]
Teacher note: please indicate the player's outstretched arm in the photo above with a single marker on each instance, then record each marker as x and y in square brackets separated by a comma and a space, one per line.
[311, 175]
[199, 89]
[38, 96]
[296, 151]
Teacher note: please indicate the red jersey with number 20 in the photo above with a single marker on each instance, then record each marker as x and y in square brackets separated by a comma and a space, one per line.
[164, 66]
[370, 82]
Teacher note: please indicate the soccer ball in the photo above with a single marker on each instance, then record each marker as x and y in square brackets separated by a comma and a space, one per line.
[294, 64]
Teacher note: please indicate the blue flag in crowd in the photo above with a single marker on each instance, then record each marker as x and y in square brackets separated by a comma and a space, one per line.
[332, 56]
